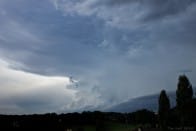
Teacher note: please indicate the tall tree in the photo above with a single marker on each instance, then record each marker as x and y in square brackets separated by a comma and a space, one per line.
[184, 93]
[184, 96]
[164, 107]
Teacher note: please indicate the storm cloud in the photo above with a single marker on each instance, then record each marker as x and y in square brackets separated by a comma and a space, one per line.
[127, 13]
[114, 49]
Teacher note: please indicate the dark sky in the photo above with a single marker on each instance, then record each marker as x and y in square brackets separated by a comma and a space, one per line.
[113, 50]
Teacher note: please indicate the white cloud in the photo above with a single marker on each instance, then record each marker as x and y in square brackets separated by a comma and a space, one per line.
[23, 92]
[20, 84]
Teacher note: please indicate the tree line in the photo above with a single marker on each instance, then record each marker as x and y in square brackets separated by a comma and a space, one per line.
[183, 115]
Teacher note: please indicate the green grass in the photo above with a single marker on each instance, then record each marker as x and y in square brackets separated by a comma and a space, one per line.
[110, 126]
[89, 128]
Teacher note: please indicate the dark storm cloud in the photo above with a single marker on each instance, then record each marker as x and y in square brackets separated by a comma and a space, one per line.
[156, 9]
[115, 49]
[24, 33]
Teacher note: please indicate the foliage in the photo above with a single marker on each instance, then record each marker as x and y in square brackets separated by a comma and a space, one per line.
[184, 93]
[184, 96]
[164, 107]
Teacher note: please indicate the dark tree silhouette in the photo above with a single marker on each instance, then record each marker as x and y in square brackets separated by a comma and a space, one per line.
[164, 107]
[184, 96]
[184, 93]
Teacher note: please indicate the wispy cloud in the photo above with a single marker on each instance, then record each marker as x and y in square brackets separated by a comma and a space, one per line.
[125, 13]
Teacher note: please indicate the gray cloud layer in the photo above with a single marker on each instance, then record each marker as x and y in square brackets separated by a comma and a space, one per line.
[116, 49]
[157, 8]
[126, 13]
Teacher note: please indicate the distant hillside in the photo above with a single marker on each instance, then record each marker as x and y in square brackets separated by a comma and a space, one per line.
[146, 102]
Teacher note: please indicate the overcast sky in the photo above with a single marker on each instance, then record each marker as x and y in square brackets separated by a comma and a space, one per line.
[113, 50]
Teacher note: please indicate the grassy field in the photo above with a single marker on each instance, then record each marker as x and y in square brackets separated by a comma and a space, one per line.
[110, 126]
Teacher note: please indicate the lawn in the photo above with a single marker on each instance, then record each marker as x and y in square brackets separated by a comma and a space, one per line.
[110, 126]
